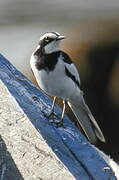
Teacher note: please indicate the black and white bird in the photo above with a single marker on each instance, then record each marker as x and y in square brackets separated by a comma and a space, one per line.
[57, 76]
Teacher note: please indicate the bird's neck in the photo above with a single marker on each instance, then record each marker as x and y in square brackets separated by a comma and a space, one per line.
[51, 48]
[47, 50]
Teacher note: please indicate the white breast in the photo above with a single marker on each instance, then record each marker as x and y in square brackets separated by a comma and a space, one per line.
[55, 82]
[41, 76]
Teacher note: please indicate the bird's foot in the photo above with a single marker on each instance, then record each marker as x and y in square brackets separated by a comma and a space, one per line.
[54, 118]
[50, 114]
[58, 123]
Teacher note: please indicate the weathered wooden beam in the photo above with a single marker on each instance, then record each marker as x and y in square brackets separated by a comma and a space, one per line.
[82, 160]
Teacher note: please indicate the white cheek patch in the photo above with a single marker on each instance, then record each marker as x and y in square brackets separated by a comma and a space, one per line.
[52, 47]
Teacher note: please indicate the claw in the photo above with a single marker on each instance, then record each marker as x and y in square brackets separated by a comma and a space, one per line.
[50, 114]
[58, 123]
[53, 115]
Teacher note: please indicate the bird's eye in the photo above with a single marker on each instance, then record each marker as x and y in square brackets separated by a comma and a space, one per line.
[47, 39]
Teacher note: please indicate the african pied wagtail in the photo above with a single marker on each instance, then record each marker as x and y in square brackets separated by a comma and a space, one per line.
[58, 76]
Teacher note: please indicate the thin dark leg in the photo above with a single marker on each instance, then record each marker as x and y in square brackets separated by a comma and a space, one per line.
[53, 104]
[63, 111]
[58, 122]
[52, 113]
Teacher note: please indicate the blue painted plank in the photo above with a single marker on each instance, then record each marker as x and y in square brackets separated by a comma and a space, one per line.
[70, 146]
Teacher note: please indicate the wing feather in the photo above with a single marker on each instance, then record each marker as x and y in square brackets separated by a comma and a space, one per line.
[69, 65]
[73, 70]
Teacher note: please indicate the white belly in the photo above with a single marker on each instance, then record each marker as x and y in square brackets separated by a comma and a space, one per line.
[56, 82]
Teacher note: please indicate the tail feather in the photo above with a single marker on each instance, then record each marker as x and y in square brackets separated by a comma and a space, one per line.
[86, 119]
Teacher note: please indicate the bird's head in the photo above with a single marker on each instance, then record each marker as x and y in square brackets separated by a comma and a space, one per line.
[50, 42]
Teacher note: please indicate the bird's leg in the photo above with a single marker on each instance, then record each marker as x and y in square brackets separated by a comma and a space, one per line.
[52, 108]
[52, 113]
[63, 111]
[61, 123]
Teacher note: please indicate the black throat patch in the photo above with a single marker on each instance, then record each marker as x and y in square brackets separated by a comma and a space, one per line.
[46, 61]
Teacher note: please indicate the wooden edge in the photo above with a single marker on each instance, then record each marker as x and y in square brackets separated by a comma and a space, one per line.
[69, 145]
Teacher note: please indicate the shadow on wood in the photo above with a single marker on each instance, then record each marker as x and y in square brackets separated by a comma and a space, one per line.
[70, 146]
[8, 168]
